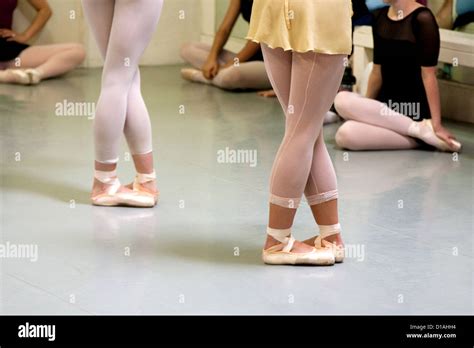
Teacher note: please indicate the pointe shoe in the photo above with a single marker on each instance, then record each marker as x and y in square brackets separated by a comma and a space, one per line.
[113, 198]
[424, 131]
[141, 179]
[34, 76]
[281, 254]
[320, 242]
[193, 75]
[20, 77]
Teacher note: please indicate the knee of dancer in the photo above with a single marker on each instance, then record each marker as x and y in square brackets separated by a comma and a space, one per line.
[228, 78]
[346, 137]
[342, 102]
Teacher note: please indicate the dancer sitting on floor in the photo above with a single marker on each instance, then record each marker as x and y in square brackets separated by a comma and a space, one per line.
[402, 108]
[23, 64]
[219, 67]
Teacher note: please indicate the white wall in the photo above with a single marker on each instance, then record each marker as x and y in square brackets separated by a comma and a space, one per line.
[180, 22]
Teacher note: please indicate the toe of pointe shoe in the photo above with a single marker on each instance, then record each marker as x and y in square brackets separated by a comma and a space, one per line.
[339, 257]
[139, 190]
[325, 256]
[21, 77]
[104, 200]
[136, 199]
[337, 250]
[188, 73]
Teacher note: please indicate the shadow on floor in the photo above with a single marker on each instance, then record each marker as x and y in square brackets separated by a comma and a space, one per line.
[60, 191]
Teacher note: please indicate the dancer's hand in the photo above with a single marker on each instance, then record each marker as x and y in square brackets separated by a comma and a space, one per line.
[444, 134]
[210, 69]
[10, 35]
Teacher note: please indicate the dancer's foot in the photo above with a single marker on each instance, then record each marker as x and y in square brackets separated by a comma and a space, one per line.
[330, 237]
[107, 191]
[282, 249]
[194, 75]
[14, 76]
[34, 76]
[145, 184]
[424, 130]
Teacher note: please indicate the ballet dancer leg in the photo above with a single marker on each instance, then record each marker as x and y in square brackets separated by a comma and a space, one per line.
[322, 177]
[352, 106]
[358, 136]
[139, 138]
[311, 81]
[278, 66]
[247, 75]
[108, 20]
[322, 196]
[137, 127]
[137, 123]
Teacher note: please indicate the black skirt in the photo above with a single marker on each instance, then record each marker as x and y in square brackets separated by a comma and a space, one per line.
[9, 50]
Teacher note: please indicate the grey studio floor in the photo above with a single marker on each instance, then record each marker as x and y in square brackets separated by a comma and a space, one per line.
[408, 214]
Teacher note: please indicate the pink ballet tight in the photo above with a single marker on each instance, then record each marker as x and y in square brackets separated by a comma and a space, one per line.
[368, 127]
[122, 29]
[305, 84]
[247, 75]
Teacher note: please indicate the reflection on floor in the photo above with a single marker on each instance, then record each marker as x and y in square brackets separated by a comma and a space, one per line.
[407, 215]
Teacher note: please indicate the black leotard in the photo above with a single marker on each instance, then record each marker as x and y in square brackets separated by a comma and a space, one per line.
[402, 47]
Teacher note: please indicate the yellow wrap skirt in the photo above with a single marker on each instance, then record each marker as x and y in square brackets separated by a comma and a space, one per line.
[322, 26]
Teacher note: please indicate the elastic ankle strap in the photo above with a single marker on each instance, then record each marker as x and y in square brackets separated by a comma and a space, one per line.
[108, 178]
[283, 236]
[329, 230]
[144, 178]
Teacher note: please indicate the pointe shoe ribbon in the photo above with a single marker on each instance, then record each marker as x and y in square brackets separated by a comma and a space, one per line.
[284, 237]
